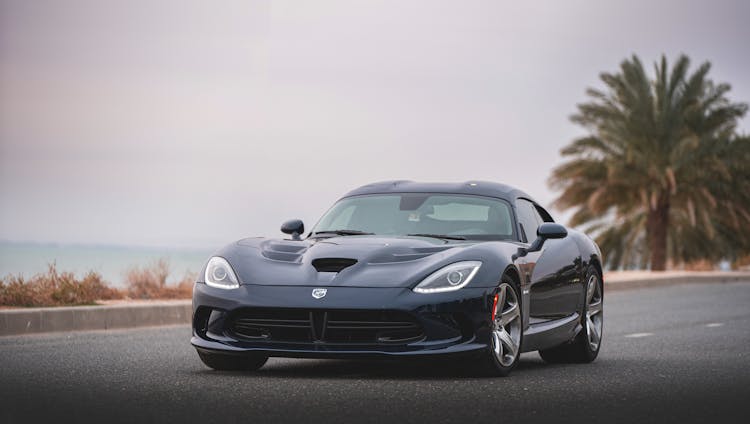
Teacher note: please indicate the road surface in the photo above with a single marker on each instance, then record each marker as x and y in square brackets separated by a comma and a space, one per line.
[671, 354]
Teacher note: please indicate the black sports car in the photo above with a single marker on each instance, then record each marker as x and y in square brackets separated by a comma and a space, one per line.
[477, 270]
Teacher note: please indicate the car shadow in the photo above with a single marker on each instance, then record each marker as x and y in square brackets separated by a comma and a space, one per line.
[378, 369]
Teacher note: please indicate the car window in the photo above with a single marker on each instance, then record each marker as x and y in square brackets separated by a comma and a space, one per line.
[460, 212]
[542, 214]
[472, 217]
[527, 219]
[341, 219]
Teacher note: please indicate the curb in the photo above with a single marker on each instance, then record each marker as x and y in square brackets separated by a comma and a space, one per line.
[150, 314]
[81, 318]
[620, 282]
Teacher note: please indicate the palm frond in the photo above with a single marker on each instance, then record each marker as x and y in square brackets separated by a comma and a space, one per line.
[661, 143]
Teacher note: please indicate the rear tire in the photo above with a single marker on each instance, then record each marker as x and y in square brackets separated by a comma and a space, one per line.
[501, 356]
[223, 362]
[584, 348]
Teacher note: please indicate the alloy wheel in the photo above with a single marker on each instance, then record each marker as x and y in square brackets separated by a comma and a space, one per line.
[594, 313]
[506, 328]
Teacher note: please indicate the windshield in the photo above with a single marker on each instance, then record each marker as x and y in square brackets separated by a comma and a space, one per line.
[459, 216]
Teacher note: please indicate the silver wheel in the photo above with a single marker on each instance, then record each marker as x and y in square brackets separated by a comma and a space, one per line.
[594, 313]
[506, 329]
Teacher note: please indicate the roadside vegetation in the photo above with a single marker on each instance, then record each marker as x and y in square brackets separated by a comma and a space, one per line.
[662, 178]
[56, 288]
[150, 282]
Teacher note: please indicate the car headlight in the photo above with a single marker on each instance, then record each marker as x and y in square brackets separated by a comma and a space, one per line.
[449, 278]
[219, 274]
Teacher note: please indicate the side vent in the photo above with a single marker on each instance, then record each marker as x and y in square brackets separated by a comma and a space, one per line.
[332, 264]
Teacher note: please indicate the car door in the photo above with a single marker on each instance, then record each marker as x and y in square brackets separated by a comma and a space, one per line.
[551, 273]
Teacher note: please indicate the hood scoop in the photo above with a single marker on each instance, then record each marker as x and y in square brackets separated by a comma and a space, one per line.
[283, 251]
[332, 264]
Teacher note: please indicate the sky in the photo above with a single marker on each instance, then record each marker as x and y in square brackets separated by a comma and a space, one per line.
[193, 123]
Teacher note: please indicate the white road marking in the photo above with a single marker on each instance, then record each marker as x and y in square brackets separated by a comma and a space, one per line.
[638, 335]
[714, 324]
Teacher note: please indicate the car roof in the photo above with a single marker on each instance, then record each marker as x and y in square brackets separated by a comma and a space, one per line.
[479, 188]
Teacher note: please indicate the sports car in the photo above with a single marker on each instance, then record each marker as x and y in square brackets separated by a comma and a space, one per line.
[474, 271]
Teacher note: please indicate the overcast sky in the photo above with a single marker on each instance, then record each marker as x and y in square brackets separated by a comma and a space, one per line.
[194, 123]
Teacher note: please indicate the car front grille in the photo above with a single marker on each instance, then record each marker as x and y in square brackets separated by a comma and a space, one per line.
[325, 326]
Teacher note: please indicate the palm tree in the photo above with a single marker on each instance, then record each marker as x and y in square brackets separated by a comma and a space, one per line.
[662, 174]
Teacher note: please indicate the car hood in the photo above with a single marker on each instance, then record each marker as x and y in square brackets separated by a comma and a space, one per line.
[352, 261]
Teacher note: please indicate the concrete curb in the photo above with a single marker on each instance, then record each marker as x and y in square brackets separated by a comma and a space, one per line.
[623, 281]
[78, 318]
[149, 314]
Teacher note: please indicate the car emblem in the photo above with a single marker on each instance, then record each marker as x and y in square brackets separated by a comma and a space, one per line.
[319, 293]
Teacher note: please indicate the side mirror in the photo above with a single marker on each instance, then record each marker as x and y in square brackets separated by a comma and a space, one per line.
[294, 227]
[550, 230]
[546, 231]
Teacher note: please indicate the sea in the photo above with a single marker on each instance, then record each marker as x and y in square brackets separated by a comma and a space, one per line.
[112, 262]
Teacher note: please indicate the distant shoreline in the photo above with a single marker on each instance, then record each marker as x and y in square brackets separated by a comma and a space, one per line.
[111, 261]
[86, 245]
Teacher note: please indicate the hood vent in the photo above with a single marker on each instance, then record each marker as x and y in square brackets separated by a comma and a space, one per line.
[283, 251]
[332, 264]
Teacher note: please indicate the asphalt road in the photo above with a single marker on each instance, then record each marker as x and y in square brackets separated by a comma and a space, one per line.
[672, 354]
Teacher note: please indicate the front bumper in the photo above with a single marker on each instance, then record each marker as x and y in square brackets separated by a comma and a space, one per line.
[450, 323]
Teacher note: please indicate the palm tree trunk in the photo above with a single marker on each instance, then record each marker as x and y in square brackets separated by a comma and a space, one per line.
[658, 222]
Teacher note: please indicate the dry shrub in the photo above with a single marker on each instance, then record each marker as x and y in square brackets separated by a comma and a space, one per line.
[150, 282]
[55, 288]
[742, 264]
[700, 265]
[184, 287]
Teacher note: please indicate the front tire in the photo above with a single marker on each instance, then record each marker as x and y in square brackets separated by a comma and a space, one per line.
[584, 348]
[502, 355]
[224, 362]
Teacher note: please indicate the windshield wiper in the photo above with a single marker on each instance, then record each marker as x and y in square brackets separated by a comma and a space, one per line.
[440, 236]
[344, 233]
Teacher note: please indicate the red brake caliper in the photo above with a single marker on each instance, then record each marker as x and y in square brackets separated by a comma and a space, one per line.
[494, 307]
